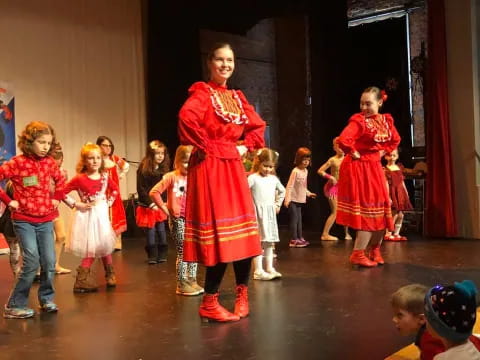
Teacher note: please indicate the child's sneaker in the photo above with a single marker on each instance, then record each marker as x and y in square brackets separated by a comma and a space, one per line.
[305, 241]
[262, 275]
[49, 307]
[18, 313]
[297, 243]
[184, 288]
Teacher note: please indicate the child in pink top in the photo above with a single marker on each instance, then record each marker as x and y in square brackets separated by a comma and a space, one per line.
[296, 195]
[175, 183]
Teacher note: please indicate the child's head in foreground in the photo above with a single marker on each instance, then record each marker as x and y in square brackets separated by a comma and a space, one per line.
[408, 308]
[451, 311]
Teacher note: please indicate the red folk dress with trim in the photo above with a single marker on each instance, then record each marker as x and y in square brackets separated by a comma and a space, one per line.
[117, 211]
[220, 217]
[363, 198]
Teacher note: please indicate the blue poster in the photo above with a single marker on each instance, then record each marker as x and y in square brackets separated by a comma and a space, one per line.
[7, 123]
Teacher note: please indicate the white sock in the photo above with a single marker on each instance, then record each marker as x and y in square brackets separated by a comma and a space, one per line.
[269, 259]
[257, 264]
[398, 227]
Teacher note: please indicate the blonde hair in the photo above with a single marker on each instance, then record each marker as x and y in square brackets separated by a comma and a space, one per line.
[264, 155]
[84, 152]
[410, 297]
[32, 131]
[183, 153]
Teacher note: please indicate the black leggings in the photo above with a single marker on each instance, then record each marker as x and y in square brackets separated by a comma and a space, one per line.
[214, 274]
[295, 212]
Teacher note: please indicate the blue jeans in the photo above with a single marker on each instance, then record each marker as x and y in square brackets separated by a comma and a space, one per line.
[157, 229]
[36, 241]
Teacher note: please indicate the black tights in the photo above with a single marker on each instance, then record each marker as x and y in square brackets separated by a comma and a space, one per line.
[214, 274]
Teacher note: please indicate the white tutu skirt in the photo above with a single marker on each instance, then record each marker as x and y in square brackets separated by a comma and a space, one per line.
[91, 232]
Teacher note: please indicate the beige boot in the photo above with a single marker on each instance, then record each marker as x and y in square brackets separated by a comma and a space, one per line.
[85, 282]
[110, 276]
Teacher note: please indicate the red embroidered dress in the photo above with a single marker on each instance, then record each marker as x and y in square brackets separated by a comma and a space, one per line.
[398, 190]
[220, 217]
[363, 199]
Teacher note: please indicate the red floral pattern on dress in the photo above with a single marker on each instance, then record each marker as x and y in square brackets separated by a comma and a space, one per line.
[35, 200]
[378, 125]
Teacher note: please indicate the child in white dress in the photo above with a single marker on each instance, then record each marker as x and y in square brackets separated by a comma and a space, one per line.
[91, 232]
[268, 194]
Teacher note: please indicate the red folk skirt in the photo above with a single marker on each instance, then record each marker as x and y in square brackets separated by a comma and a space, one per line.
[147, 218]
[363, 199]
[118, 217]
[220, 221]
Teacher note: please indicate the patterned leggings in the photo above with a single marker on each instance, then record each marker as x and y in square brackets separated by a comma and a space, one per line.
[185, 270]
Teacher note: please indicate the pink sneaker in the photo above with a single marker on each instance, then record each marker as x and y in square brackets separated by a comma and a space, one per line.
[297, 243]
[304, 241]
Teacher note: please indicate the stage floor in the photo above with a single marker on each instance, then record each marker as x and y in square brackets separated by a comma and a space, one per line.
[321, 309]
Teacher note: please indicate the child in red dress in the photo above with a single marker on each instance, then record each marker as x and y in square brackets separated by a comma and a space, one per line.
[117, 168]
[154, 165]
[363, 200]
[91, 232]
[398, 194]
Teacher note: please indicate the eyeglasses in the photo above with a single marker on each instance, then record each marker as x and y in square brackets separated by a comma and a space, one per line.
[106, 145]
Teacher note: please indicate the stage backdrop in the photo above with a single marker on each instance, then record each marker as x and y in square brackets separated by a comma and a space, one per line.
[78, 65]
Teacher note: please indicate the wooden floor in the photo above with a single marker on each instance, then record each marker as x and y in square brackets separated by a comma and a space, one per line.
[321, 309]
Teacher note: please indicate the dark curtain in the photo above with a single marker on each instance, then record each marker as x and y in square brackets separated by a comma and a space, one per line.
[440, 219]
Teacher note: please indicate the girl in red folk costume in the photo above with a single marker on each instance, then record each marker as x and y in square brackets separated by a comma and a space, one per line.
[117, 168]
[91, 233]
[330, 189]
[398, 194]
[33, 211]
[149, 216]
[363, 200]
[220, 217]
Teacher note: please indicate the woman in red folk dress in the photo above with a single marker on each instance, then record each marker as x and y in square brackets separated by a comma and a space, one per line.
[220, 217]
[363, 199]
[116, 168]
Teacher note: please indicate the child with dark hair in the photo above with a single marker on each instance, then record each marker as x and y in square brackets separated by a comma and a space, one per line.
[409, 319]
[149, 216]
[296, 195]
[451, 313]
